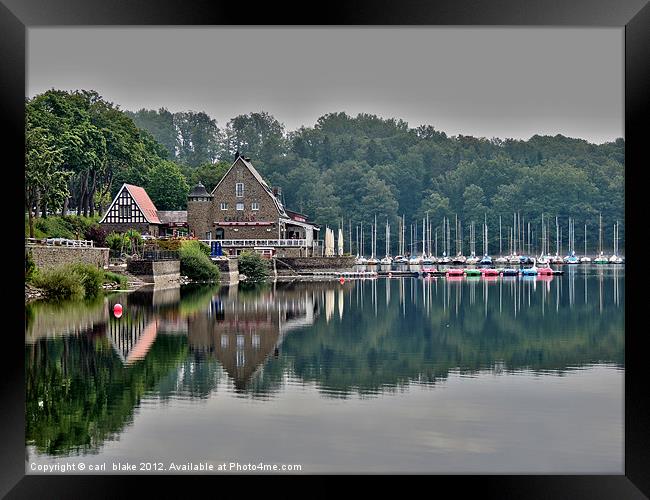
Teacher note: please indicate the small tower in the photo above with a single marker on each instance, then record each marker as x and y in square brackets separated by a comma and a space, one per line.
[199, 212]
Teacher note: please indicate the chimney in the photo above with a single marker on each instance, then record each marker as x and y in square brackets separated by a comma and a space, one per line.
[277, 191]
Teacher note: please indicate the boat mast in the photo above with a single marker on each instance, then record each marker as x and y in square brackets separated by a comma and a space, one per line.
[350, 233]
[585, 239]
[500, 252]
[600, 234]
[424, 237]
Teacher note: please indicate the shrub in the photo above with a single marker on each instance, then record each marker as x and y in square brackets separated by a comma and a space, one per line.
[59, 284]
[53, 227]
[135, 241]
[97, 234]
[198, 245]
[73, 281]
[110, 277]
[170, 245]
[30, 267]
[91, 277]
[196, 265]
[78, 224]
[118, 242]
[253, 266]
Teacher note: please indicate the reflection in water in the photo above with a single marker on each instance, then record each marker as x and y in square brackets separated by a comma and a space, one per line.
[87, 371]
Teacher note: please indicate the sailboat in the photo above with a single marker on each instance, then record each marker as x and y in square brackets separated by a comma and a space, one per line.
[585, 259]
[445, 243]
[601, 259]
[414, 259]
[571, 257]
[486, 260]
[472, 259]
[387, 260]
[426, 238]
[460, 258]
[373, 261]
[615, 259]
[501, 259]
[361, 260]
[556, 259]
[400, 259]
[543, 259]
[513, 258]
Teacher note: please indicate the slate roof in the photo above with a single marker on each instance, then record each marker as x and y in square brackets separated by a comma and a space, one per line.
[175, 216]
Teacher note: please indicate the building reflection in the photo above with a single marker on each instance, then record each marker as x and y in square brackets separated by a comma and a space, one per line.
[242, 331]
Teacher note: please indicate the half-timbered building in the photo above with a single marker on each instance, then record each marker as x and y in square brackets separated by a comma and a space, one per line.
[243, 213]
[133, 209]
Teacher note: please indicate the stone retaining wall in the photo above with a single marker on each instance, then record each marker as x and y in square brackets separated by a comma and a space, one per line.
[52, 256]
[229, 270]
[161, 272]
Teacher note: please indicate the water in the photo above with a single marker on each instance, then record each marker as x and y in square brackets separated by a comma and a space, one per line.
[507, 375]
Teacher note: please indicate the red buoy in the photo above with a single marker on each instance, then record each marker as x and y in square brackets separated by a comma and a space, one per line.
[117, 310]
[342, 280]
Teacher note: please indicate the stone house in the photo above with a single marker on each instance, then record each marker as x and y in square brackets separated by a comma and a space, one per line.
[243, 213]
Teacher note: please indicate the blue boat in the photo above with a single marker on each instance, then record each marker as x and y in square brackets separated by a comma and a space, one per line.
[571, 259]
[510, 272]
[486, 261]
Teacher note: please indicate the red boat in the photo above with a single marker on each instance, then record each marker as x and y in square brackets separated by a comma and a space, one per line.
[489, 272]
[545, 271]
[455, 272]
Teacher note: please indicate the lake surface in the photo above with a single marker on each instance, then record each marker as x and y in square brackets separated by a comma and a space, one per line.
[437, 375]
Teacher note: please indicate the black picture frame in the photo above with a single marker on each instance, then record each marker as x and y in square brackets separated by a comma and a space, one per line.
[18, 15]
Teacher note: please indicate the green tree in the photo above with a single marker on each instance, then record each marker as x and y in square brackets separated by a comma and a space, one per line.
[167, 186]
[44, 176]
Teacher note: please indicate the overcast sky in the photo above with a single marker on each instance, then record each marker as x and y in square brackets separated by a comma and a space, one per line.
[487, 82]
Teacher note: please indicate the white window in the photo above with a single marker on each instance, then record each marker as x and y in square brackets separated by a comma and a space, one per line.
[239, 189]
[224, 205]
[255, 206]
[125, 211]
[240, 206]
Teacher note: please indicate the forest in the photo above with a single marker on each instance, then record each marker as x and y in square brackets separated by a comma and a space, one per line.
[341, 171]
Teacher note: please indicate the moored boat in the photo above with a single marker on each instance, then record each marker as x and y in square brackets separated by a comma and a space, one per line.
[455, 272]
[486, 261]
[509, 271]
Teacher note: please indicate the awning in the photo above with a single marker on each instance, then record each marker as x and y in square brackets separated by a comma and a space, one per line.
[306, 225]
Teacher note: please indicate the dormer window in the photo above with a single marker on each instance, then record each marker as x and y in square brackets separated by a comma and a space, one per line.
[239, 189]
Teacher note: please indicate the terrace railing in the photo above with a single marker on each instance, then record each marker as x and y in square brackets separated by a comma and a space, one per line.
[63, 242]
[157, 255]
[259, 243]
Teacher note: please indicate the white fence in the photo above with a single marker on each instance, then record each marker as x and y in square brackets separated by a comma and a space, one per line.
[62, 242]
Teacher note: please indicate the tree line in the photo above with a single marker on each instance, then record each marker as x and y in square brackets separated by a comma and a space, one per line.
[346, 169]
